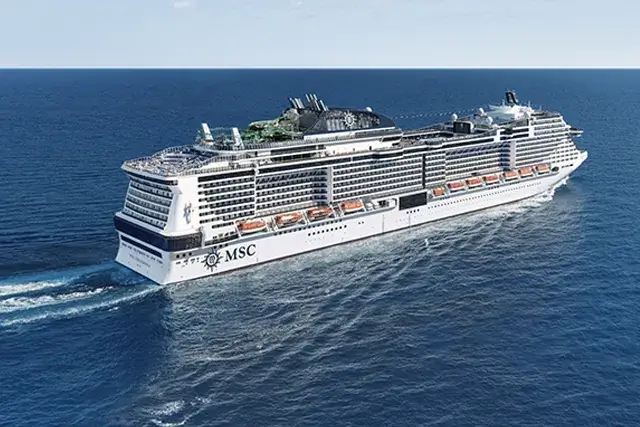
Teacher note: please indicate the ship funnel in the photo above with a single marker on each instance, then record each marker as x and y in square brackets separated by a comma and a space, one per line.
[314, 100]
[511, 97]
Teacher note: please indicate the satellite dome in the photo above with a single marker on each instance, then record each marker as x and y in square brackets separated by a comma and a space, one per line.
[454, 117]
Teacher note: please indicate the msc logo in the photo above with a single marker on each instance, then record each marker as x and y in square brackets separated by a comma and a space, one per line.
[211, 260]
[239, 253]
[214, 258]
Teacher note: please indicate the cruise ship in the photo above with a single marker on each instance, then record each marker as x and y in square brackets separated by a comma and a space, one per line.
[316, 177]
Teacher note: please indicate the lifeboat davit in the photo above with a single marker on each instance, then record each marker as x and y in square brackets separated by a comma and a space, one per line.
[319, 212]
[456, 186]
[438, 192]
[252, 226]
[491, 179]
[288, 219]
[474, 182]
[542, 169]
[524, 172]
[510, 176]
[351, 206]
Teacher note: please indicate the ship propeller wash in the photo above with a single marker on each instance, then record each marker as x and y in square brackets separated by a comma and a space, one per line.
[316, 177]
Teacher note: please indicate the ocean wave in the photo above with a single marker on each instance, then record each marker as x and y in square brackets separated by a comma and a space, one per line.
[21, 288]
[86, 306]
[68, 293]
[23, 303]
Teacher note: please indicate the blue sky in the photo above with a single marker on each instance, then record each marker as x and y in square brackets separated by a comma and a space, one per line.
[326, 33]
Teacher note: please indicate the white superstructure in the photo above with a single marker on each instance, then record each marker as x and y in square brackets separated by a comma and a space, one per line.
[316, 177]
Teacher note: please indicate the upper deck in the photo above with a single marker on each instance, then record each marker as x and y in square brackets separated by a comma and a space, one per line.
[313, 130]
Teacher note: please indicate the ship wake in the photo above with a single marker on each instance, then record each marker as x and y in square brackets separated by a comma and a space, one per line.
[69, 293]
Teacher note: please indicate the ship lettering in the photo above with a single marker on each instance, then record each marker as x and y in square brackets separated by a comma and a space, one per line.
[241, 252]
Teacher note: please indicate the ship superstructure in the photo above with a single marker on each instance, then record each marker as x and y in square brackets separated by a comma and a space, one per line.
[318, 176]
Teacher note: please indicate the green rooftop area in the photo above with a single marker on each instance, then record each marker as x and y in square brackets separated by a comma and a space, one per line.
[282, 128]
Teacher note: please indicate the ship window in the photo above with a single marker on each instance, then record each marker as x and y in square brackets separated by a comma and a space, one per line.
[165, 243]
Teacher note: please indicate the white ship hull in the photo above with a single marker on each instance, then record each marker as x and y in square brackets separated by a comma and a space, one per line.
[259, 248]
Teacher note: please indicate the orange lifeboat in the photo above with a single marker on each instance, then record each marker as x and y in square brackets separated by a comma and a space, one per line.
[438, 192]
[474, 182]
[351, 206]
[288, 219]
[542, 169]
[252, 226]
[524, 172]
[510, 175]
[491, 179]
[319, 212]
[456, 186]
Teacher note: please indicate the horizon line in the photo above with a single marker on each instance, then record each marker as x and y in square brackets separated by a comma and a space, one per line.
[225, 67]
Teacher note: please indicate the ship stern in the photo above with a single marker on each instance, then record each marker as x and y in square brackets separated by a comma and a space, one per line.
[151, 263]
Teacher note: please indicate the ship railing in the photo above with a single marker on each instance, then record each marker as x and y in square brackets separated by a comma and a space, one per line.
[160, 155]
[214, 169]
[158, 164]
[255, 145]
[445, 138]
[429, 129]
[175, 170]
[169, 150]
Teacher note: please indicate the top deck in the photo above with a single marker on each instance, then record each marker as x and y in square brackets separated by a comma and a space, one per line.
[315, 127]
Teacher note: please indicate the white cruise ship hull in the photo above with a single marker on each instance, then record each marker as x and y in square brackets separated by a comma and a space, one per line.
[163, 267]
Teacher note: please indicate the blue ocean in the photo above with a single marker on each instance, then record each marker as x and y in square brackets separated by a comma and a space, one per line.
[524, 315]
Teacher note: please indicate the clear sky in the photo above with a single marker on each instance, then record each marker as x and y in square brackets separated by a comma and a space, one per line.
[289, 33]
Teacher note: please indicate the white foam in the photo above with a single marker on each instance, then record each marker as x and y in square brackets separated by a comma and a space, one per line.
[41, 281]
[169, 408]
[166, 424]
[79, 310]
[21, 288]
[26, 303]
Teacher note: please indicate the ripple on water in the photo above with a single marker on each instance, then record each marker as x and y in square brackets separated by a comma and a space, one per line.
[64, 294]
[300, 324]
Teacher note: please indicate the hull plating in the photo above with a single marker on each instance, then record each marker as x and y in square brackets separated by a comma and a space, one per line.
[257, 249]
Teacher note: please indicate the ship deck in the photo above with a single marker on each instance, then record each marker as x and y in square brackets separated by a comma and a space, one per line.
[201, 158]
